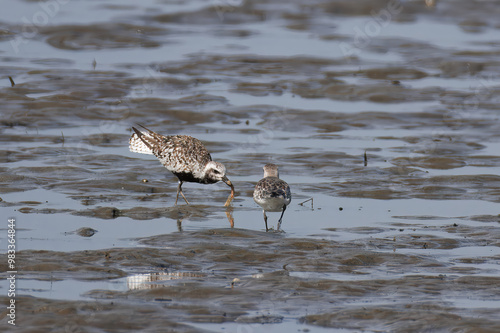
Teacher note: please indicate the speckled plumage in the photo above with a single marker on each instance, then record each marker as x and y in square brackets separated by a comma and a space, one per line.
[272, 193]
[186, 157]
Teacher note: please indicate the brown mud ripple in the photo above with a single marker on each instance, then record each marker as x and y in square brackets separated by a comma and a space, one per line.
[245, 276]
[427, 135]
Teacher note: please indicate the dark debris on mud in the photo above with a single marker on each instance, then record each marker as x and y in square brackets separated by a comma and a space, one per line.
[64, 131]
[244, 276]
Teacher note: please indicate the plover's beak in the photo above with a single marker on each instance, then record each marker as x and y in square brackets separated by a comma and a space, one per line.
[231, 196]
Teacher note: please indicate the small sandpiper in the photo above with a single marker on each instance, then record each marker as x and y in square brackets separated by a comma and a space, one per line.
[272, 193]
[186, 157]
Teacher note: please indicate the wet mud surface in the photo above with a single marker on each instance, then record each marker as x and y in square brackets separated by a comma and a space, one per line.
[390, 127]
[251, 277]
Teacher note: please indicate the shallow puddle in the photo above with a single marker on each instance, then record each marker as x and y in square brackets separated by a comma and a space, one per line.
[383, 118]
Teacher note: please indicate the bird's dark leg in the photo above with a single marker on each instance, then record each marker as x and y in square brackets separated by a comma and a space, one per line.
[279, 221]
[265, 220]
[179, 190]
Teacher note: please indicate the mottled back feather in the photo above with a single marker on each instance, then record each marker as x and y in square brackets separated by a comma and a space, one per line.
[272, 187]
[180, 154]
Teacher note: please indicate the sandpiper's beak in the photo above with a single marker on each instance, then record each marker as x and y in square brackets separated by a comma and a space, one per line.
[231, 196]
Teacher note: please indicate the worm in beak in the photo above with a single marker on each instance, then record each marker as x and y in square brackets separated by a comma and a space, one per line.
[231, 196]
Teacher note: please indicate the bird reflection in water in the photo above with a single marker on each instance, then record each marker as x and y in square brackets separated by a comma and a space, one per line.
[185, 213]
[153, 280]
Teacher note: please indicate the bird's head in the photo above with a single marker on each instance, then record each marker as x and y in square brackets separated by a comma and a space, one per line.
[215, 172]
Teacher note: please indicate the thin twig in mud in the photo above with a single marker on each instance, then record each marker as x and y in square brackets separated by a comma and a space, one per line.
[12, 83]
[366, 159]
[310, 199]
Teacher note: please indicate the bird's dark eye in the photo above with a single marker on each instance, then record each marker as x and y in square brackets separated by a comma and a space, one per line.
[216, 171]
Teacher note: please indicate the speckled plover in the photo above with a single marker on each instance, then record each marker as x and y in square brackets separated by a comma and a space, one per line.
[185, 156]
[272, 193]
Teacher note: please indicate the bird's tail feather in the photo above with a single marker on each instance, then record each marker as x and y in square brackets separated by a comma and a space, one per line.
[137, 145]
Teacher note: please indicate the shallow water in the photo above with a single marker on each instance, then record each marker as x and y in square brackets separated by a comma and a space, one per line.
[408, 242]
